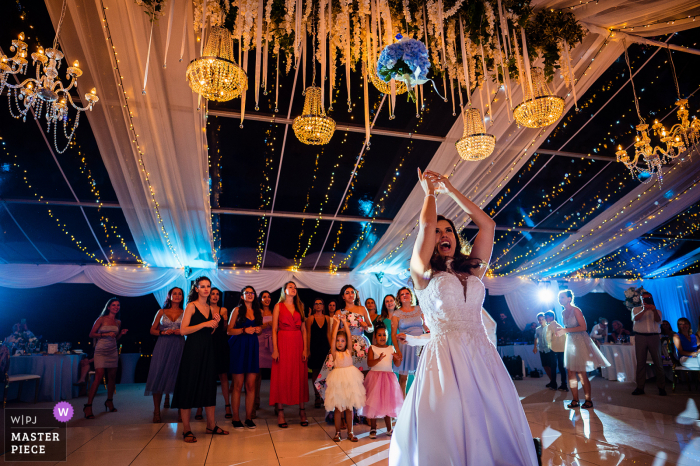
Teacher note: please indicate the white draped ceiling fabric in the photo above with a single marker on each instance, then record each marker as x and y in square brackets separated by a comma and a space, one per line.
[171, 147]
[168, 130]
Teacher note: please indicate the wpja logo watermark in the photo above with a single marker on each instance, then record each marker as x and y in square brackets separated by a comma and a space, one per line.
[37, 434]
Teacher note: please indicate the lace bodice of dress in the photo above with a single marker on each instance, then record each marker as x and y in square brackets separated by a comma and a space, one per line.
[448, 307]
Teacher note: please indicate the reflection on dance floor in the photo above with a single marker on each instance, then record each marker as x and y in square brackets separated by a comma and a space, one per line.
[606, 435]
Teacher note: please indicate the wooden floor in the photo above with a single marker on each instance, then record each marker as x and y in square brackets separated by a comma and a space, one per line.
[607, 435]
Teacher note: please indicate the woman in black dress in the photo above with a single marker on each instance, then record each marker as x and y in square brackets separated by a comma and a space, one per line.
[221, 350]
[318, 327]
[196, 378]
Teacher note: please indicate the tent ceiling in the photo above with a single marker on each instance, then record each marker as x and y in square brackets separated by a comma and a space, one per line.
[543, 192]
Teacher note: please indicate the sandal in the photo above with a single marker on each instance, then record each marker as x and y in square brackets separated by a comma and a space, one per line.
[189, 437]
[373, 433]
[216, 431]
[587, 405]
[352, 437]
[228, 415]
[337, 437]
[198, 417]
[156, 417]
[282, 425]
[166, 403]
[389, 432]
[573, 404]
[88, 416]
[306, 422]
[112, 409]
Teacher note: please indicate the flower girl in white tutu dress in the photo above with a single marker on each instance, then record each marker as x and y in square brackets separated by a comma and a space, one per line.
[344, 384]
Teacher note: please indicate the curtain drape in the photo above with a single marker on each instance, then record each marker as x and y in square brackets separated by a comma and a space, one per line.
[675, 296]
[163, 156]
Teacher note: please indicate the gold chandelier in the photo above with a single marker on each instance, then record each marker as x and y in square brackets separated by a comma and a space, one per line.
[476, 144]
[540, 107]
[654, 157]
[313, 126]
[383, 86]
[45, 90]
[681, 136]
[215, 75]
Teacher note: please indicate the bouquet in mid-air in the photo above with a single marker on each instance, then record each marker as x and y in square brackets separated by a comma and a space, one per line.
[407, 61]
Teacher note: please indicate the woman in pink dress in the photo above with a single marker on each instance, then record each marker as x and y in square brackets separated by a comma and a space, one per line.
[289, 384]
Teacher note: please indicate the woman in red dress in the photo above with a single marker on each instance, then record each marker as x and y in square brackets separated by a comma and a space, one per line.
[289, 381]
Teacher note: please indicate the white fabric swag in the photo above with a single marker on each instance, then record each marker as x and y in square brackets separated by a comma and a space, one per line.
[675, 296]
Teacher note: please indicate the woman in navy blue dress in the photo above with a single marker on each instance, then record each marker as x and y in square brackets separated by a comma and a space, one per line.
[244, 327]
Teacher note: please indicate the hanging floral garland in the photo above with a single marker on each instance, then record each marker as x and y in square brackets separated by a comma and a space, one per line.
[491, 23]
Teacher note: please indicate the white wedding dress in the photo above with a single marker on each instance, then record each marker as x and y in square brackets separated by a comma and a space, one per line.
[462, 408]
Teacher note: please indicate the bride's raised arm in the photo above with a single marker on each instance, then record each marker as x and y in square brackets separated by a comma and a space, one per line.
[425, 241]
[483, 244]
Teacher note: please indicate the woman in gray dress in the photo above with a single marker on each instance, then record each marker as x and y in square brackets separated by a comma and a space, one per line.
[105, 333]
[168, 350]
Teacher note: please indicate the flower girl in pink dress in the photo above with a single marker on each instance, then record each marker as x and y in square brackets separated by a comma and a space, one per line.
[384, 394]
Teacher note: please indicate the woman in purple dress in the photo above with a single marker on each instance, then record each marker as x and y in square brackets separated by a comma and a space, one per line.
[168, 350]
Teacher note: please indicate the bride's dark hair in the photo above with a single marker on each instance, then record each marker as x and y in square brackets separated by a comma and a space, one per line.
[462, 262]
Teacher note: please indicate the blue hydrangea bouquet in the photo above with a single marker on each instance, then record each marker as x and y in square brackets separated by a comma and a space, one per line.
[406, 60]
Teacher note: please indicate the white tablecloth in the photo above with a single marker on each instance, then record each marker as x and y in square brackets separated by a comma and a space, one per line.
[57, 371]
[623, 362]
[531, 360]
[129, 361]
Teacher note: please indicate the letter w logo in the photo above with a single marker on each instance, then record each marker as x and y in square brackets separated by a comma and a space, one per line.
[63, 412]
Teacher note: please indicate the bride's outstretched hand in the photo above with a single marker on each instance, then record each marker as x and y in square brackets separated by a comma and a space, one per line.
[426, 182]
[441, 182]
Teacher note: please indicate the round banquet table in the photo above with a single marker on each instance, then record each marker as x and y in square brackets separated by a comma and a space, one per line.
[623, 364]
[57, 371]
[532, 361]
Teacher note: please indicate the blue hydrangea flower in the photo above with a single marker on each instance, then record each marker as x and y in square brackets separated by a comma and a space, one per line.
[412, 52]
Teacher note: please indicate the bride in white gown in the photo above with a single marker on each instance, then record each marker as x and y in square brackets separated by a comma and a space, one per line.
[462, 408]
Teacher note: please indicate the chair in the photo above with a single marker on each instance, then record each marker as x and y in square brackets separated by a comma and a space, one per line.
[20, 378]
[677, 367]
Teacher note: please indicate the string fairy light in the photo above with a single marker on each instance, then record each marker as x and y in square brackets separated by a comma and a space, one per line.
[59, 223]
[135, 137]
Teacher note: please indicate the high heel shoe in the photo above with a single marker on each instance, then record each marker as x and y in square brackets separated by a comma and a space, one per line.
[166, 404]
[228, 415]
[107, 408]
[304, 423]
[88, 416]
[282, 425]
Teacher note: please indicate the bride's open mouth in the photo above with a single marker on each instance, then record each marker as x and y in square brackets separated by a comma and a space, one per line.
[444, 247]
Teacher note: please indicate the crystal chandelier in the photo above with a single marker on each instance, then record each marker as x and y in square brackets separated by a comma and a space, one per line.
[215, 75]
[677, 140]
[46, 89]
[476, 144]
[313, 126]
[383, 86]
[540, 107]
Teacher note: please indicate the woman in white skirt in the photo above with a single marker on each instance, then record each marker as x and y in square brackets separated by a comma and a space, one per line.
[581, 354]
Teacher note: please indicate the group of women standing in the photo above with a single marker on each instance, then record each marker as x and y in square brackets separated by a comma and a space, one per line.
[200, 342]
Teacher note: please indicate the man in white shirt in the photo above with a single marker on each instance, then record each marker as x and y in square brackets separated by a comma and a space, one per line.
[557, 345]
[599, 332]
[647, 327]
